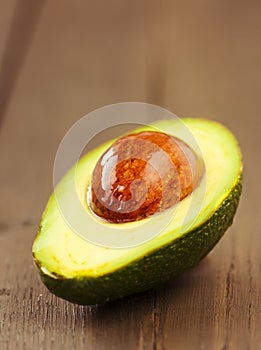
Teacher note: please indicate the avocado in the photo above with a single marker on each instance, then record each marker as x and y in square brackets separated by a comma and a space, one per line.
[87, 273]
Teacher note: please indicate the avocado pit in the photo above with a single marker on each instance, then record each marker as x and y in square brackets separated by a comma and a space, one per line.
[143, 174]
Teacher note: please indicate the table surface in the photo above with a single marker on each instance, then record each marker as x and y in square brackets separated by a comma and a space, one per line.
[61, 60]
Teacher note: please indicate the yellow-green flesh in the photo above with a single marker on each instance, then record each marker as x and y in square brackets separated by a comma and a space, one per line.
[59, 251]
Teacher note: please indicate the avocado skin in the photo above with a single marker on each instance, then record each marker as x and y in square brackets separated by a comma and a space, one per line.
[159, 266]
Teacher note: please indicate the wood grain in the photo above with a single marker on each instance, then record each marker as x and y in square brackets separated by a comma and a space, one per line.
[83, 56]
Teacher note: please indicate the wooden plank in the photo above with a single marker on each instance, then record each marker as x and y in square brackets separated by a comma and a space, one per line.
[225, 314]
[33, 318]
[6, 16]
[45, 103]
[17, 35]
[83, 56]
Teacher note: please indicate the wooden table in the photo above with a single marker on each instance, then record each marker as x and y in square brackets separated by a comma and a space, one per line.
[61, 60]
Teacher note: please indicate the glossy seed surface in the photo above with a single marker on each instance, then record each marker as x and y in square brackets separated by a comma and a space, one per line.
[143, 174]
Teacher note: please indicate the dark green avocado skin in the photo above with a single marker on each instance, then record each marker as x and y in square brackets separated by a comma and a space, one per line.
[159, 266]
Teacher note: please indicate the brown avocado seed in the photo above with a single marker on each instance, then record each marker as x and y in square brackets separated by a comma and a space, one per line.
[142, 174]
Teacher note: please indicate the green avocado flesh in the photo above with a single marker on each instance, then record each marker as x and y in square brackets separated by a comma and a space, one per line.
[86, 273]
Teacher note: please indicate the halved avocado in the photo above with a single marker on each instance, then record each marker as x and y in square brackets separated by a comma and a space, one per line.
[86, 273]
